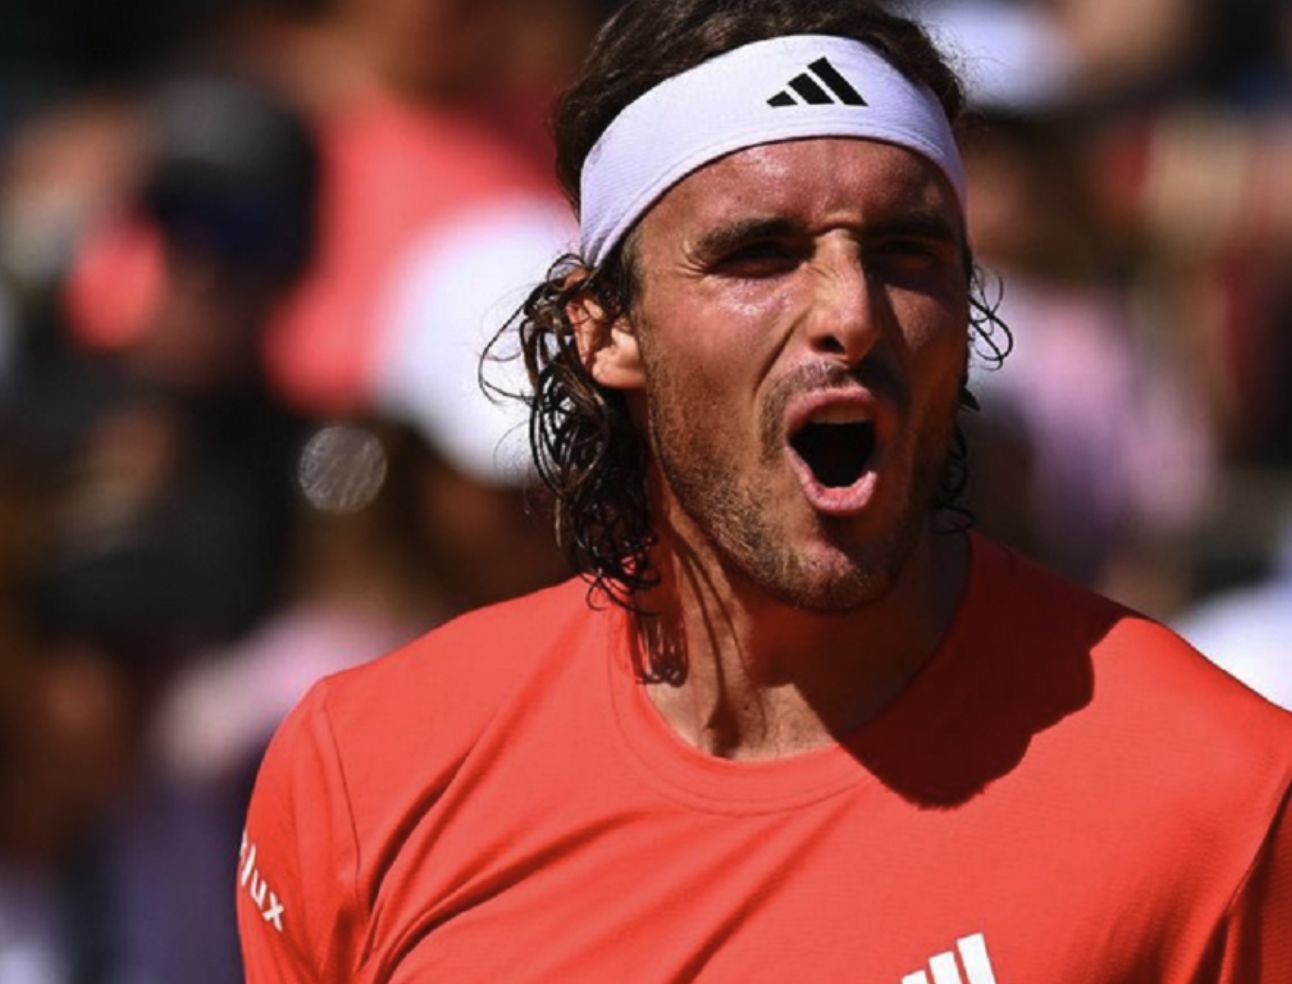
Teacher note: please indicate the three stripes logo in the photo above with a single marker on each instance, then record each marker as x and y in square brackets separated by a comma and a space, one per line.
[820, 85]
[946, 968]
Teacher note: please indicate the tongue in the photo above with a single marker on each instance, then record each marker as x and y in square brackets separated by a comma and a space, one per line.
[836, 453]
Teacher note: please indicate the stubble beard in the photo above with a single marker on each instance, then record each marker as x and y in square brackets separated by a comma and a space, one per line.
[742, 527]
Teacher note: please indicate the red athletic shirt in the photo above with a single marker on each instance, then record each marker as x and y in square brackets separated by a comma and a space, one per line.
[1066, 794]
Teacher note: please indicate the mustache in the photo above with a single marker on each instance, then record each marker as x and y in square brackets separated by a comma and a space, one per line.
[872, 373]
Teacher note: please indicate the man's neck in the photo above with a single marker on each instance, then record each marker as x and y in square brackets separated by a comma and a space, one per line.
[744, 676]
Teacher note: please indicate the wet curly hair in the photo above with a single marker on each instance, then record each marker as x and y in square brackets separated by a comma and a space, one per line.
[586, 449]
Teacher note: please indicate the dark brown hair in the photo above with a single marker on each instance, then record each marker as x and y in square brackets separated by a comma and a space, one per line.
[585, 447]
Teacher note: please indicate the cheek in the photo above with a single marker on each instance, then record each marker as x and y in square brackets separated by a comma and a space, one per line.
[716, 341]
[937, 353]
[699, 381]
[755, 308]
[942, 345]
[935, 329]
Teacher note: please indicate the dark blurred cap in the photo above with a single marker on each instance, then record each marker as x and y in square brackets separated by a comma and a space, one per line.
[234, 174]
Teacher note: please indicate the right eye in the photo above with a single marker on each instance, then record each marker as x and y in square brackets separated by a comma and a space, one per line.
[762, 258]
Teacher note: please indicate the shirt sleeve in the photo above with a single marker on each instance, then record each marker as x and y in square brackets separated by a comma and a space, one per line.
[296, 885]
[1257, 945]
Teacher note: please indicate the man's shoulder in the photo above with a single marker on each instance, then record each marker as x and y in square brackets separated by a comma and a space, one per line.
[394, 731]
[1037, 600]
[1222, 727]
[1144, 679]
[475, 658]
[1126, 724]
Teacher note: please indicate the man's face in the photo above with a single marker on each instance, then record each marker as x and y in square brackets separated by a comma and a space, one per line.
[802, 326]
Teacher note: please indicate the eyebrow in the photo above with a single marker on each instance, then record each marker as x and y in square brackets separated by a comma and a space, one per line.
[917, 225]
[730, 235]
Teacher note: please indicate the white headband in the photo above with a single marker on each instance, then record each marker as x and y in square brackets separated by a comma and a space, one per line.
[787, 88]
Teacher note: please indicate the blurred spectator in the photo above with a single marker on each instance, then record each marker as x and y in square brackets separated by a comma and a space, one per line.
[176, 519]
[61, 170]
[1133, 47]
[430, 220]
[65, 740]
[1206, 193]
[1111, 444]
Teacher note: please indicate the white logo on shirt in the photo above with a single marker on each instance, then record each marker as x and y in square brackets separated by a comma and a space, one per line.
[265, 901]
[946, 969]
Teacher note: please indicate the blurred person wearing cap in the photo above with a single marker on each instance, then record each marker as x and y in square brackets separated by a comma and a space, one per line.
[794, 721]
[178, 509]
[435, 203]
[423, 194]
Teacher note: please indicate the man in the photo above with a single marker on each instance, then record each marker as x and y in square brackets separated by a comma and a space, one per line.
[798, 729]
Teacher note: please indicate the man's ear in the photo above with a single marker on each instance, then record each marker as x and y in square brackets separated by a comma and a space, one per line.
[609, 349]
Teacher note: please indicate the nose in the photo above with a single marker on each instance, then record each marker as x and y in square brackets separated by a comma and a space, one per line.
[846, 315]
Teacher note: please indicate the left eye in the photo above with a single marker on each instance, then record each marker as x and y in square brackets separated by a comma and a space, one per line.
[910, 256]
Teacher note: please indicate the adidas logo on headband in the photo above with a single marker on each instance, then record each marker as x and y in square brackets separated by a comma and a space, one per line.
[808, 86]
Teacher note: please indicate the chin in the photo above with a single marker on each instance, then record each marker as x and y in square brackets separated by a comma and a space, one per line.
[830, 580]
[834, 595]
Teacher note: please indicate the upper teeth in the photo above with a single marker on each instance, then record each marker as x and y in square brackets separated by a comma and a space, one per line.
[839, 414]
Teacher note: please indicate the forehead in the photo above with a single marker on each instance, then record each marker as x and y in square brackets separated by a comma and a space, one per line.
[815, 180]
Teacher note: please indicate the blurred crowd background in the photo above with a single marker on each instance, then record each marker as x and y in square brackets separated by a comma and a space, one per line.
[250, 251]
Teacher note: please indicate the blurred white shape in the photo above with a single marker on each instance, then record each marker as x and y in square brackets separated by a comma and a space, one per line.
[1248, 632]
[449, 295]
[1010, 55]
[341, 469]
[31, 950]
[38, 234]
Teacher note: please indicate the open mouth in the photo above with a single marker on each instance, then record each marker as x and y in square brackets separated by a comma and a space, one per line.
[837, 454]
